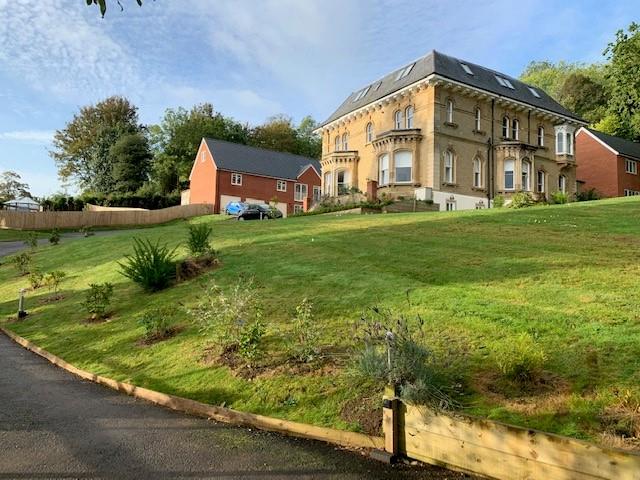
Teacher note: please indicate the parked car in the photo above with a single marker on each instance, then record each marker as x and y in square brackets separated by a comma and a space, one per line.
[234, 208]
[259, 212]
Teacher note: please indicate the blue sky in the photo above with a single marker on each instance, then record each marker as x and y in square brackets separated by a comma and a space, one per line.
[253, 59]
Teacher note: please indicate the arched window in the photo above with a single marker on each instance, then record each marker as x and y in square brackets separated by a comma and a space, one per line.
[337, 144]
[403, 165]
[505, 127]
[526, 175]
[327, 187]
[450, 111]
[509, 166]
[343, 182]
[478, 119]
[448, 166]
[383, 169]
[397, 120]
[477, 172]
[345, 141]
[515, 129]
[541, 136]
[540, 181]
[408, 113]
[369, 132]
[562, 183]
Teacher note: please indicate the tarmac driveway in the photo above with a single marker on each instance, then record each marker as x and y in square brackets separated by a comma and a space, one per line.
[54, 425]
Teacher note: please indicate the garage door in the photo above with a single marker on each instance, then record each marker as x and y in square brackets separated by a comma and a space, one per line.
[255, 200]
[225, 199]
[283, 208]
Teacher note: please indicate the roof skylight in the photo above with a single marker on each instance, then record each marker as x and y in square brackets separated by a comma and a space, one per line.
[361, 93]
[504, 82]
[404, 72]
[534, 92]
[466, 68]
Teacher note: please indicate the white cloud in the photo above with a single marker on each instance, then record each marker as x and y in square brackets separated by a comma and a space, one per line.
[33, 136]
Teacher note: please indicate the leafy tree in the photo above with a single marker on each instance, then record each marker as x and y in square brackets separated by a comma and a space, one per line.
[623, 74]
[81, 149]
[584, 96]
[102, 4]
[309, 143]
[130, 159]
[12, 187]
[277, 133]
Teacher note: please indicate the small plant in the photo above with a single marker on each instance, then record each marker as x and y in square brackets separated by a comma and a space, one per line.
[250, 340]
[22, 262]
[157, 323]
[589, 195]
[559, 197]
[98, 299]
[498, 201]
[54, 238]
[31, 240]
[522, 200]
[36, 279]
[85, 231]
[306, 333]
[52, 281]
[519, 359]
[151, 265]
[198, 240]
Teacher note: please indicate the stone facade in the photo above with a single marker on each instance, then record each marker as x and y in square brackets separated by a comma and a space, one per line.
[451, 136]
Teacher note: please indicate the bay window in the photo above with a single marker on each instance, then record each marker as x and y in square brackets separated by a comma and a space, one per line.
[383, 169]
[403, 165]
[526, 175]
[509, 166]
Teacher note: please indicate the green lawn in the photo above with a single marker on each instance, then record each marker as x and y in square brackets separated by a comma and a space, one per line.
[17, 235]
[567, 274]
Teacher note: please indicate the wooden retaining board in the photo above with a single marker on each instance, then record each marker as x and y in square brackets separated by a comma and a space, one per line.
[501, 451]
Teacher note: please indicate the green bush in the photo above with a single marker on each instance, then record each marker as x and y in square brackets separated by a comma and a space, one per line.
[304, 344]
[198, 240]
[151, 265]
[31, 240]
[498, 201]
[157, 323]
[52, 281]
[559, 197]
[54, 238]
[519, 359]
[36, 279]
[97, 299]
[22, 262]
[232, 320]
[522, 200]
[591, 194]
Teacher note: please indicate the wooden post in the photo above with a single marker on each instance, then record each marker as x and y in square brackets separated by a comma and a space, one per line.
[390, 421]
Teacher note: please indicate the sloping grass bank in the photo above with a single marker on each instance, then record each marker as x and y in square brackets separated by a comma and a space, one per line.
[567, 275]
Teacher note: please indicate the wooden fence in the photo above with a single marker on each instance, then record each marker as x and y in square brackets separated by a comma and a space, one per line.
[61, 220]
[497, 450]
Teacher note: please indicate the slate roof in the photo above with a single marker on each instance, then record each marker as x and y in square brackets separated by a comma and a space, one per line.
[240, 158]
[449, 67]
[624, 147]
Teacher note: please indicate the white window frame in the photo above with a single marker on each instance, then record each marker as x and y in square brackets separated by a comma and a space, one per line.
[478, 119]
[506, 125]
[203, 156]
[328, 187]
[317, 193]
[511, 162]
[515, 129]
[564, 139]
[297, 208]
[631, 193]
[281, 185]
[541, 136]
[630, 166]
[526, 175]
[449, 167]
[345, 141]
[397, 120]
[383, 169]
[236, 179]
[300, 193]
[369, 132]
[477, 172]
[346, 181]
[540, 181]
[408, 116]
[450, 205]
[337, 147]
[450, 107]
[401, 153]
[562, 183]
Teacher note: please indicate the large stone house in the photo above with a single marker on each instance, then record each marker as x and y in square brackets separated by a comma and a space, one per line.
[450, 131]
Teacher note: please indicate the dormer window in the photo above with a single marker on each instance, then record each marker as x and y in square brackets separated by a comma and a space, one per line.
[564, 139]
[404, 72]
[466, 68]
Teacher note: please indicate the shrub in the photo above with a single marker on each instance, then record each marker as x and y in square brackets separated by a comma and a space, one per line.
[157, 323]
[54, 238]
[31, 240]
[232, 320]
[498, 201]
[98, 299]
[52, 280]
[85, 231]
[151, 265]
[198, 240]
[559, 197]
[306, 334]
[22, 262]
[591, 194]
[522, 200]
[519, 359]
[36, 279]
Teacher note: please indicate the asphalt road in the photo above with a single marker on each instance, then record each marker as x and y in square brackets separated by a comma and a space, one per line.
[54, 425]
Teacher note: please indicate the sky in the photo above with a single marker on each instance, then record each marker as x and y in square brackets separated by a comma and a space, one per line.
[255, 58]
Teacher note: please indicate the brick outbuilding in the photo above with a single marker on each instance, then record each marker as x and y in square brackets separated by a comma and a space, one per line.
[607, 164]
[223, 172]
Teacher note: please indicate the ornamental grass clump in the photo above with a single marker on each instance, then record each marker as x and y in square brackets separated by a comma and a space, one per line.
[198, 240]
[519, 359]
[151, 265]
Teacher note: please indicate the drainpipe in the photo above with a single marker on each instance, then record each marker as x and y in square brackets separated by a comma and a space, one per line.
[529, 128]
[490, 159]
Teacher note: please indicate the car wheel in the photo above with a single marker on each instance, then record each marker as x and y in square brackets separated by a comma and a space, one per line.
[241, 219]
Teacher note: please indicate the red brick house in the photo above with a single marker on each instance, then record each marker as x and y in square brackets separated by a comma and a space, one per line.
[224, 172]
[607, 163]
